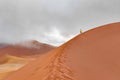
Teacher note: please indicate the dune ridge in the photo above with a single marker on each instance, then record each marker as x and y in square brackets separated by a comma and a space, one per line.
[57, 69]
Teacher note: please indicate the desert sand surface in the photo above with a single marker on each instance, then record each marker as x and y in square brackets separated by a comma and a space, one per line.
[10, 64]
[14, 57]
[28, 48]
[93, 55]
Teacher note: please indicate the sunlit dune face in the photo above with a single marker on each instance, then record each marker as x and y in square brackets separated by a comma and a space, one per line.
[11, 64]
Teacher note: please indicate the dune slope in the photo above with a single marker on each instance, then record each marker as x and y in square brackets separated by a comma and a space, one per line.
[93, 55]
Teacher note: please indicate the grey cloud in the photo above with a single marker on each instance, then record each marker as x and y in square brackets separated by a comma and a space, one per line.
[31, 19]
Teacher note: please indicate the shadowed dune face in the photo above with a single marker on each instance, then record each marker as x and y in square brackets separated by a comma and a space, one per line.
[93, 55]
[32, 48]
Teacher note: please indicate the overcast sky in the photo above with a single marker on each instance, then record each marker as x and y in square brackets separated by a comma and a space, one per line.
[53, 21]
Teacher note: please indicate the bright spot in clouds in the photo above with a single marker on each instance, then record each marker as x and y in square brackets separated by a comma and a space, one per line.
[55, 37]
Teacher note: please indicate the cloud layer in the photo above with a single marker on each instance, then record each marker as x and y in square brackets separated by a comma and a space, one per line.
[53, 21]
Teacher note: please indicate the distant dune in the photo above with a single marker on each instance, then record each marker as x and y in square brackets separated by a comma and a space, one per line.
[13, 57]
[10, 64]
[93, 55]
[29, 48]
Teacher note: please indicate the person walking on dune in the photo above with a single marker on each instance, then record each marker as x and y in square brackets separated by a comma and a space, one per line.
[81, 31]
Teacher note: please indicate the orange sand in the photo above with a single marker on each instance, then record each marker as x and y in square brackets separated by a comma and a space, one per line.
[93, 55]
[13, 57]
[11, 64]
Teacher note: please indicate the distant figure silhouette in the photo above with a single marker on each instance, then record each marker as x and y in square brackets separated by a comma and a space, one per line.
[81, 31]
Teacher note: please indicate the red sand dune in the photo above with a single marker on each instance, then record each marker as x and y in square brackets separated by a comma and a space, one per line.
[93, 55]
[10, 55]
[23, 49]
[10, 64]
[13, 59]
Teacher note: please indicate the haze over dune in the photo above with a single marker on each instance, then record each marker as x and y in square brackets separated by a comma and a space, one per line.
[93, 55]
[27, 48]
